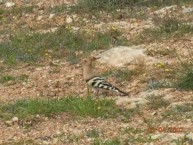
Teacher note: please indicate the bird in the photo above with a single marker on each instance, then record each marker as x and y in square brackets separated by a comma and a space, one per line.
[95, 81]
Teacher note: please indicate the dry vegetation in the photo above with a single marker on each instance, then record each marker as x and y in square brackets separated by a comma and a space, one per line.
[43, 96]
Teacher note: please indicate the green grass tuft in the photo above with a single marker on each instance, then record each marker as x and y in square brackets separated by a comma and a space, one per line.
[115, 141]
[21, 141]
[157, 84]
[186, 81]
[157, 101]
[185, 74]
[1, 11]
[77, 106]
[13, 79]
[183, 140]
[21, 10]
[93, 133]
[109, 5]
[166, 28]
[120, 74]
[131, 130]
[179, 111]
[61, 44]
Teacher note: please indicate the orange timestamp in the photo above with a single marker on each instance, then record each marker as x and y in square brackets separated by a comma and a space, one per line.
[165, 129]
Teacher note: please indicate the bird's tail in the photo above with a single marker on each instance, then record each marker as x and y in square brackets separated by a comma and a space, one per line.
[110, 87]
[118, 91]
[99, 82]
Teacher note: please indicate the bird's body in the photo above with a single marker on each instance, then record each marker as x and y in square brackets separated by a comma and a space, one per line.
[95, 81]
[100, 83]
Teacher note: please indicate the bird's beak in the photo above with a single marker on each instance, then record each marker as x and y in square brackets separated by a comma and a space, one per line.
[93, 58]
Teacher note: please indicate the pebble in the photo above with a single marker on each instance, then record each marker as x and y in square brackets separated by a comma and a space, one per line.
[9, 4]
[15, 119]
[69, 20]
[74, 16]
[51, 16]
[39, 18]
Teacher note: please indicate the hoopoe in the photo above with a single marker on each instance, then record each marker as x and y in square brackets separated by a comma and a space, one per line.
[95, 81]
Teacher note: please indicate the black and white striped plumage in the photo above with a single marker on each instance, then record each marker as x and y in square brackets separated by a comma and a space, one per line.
[100, 83]
[95, 81]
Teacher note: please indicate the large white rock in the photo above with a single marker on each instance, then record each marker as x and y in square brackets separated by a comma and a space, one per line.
[118, 56]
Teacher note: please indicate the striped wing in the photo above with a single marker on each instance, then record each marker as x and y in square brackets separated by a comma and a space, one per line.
[99, 82]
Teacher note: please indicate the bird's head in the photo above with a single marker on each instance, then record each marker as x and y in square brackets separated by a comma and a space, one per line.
[89, 61]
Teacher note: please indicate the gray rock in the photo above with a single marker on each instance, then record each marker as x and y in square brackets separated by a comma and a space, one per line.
[121, 55]
[187, 10]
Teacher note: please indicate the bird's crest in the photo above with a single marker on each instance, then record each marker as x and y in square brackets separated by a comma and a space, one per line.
[89, 60]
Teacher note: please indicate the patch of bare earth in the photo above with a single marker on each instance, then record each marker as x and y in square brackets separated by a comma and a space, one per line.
[45, 81]
[59, 79]
[63, 129]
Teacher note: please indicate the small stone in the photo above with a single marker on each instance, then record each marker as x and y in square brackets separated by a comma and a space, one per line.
[45, 142]
[93, 17]
[15, 119]
[55, 140]
[9, 4]
[189, 120]
[38, 69]
[39, 18]
[149, 143]
[190, 136]
[69, 20]
[46, 118]
[37, 116]
[58, 132]
[51, 16]
[154, 113]
[76, 28]
[74, 16]
[53, 30]
[24, 83]
[49, 81]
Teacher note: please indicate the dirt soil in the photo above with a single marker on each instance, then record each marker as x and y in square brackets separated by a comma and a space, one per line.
[58, 78]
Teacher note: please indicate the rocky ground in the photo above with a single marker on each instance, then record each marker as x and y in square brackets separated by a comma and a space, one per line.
[56, 78]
